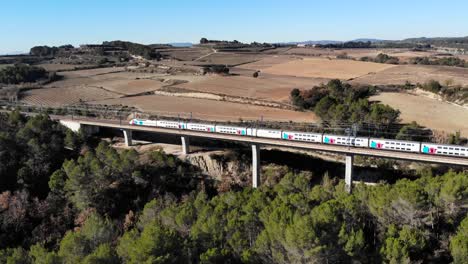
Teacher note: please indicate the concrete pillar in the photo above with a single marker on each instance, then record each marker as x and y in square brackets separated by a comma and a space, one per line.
[185, 145]
[255, 165]
[128, 137]
[349, 173]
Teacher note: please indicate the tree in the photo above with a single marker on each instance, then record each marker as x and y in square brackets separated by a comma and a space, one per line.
[459, 243]
[155, 244]
[413, 132]
[95, 178]
[22, 73]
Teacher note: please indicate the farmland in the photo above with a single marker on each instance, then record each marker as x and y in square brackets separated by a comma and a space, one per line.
[176, 83]
[326, 68]
[428, 112]
[415, 74]
[208, 109]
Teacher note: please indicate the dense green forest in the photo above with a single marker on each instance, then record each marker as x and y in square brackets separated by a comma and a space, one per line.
[23, 73]
[70, 198]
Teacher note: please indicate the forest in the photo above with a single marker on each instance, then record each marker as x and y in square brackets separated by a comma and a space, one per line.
[69, 197]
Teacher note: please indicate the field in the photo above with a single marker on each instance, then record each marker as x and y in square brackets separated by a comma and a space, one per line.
[229, 58]
[266, 87]
[428, 112]
[186, 54]
[209, 109]
[60, 67]
[416, 74]
[241, 96]
[56, 97]
[326, 68]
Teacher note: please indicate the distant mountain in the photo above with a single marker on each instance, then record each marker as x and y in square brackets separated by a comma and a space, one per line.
[311, 42]
[14, 53]
[372, 40]
[325, 42]
[181, 44]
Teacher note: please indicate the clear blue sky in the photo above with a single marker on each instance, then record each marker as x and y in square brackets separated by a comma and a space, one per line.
[25, 23]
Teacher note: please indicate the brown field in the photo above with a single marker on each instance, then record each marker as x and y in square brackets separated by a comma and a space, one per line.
[414, 74]
[354, 53]
[427, 111]
[118, 81]
[229, 58]
[268, 62]
[186, 54]
[56, 97]
[325, 68]
[59, 67]
[266, 87]
[209, 109]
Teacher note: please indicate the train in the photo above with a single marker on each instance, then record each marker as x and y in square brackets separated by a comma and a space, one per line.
[317, 138]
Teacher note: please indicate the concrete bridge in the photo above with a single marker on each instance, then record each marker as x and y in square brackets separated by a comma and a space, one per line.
[256, 143]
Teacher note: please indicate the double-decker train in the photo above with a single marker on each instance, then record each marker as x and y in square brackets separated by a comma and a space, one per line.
[318, 138]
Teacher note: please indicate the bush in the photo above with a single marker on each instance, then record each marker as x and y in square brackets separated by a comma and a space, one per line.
[432, 86]
[22, 73]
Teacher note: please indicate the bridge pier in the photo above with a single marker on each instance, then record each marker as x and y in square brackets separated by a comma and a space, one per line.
[349, 173]
[128, 137]
[185, 145]
[255, 165]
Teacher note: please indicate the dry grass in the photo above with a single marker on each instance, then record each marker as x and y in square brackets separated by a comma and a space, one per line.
[231, 59]
[427, 111]
[56, 97]
[325, 68]
[416, 73]
[266, 87]
[209, 109]
[186, 54]
[60, 67]
[268, 62]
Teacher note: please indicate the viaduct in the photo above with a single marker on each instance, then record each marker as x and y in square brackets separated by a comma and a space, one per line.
[256, 143]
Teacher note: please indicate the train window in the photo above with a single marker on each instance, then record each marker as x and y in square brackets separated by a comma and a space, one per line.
[457, 149]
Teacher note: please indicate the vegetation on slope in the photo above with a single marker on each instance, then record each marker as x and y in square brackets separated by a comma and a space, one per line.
[106, 206]
[340, 105]
[23, 73]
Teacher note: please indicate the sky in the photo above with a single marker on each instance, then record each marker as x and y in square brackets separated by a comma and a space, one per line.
[27, 23]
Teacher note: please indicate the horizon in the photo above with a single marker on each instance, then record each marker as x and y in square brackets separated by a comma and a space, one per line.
[28, 23]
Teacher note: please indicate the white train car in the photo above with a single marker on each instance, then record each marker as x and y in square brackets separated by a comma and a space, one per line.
[268, 133]
[142, 122]
[241, 131]
[302, 136]
[398, 145]
[346, 141]
[201, 127]
[252, 132]
[449, 150]
[171, 124]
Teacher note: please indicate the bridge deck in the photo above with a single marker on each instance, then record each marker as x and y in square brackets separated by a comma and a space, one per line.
[290, 144]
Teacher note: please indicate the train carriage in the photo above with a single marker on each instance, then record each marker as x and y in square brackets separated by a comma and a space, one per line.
[241, 131]
[302, 136]
[449, 150]
[269, 133]
[171, 124]
[142, 122]
[346, 141]
[398, 145]
[201, 127]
